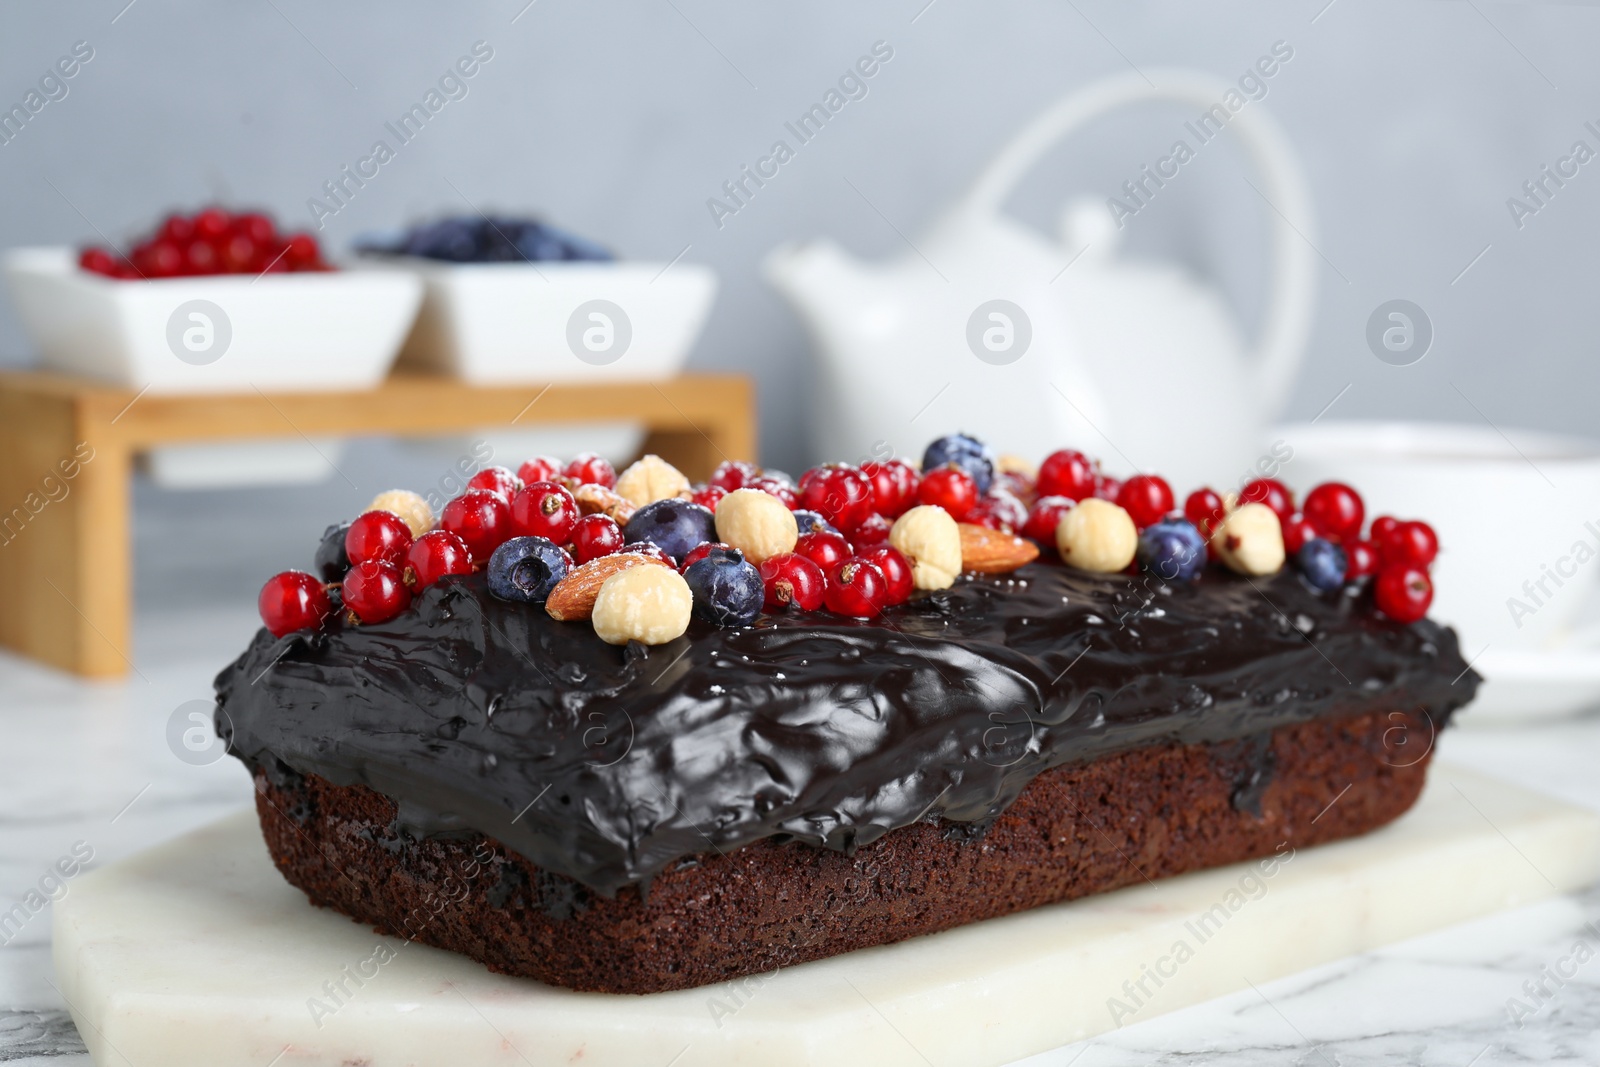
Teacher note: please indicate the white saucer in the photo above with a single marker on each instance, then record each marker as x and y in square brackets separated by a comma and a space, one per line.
[1529, 685]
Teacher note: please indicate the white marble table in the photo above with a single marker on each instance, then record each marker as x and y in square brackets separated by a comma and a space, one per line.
[89, 766]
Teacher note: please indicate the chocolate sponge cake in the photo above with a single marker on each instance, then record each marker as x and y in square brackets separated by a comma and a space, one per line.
[742, 799]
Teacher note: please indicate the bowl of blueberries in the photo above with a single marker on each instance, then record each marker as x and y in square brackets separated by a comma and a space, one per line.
[517, 300]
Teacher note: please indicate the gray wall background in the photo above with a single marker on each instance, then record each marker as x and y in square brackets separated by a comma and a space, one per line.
[1416, 119]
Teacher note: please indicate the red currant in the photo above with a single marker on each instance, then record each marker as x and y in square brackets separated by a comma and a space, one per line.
[434, 555]
[950, 488]
[481, 519]
[874, 530]
[1045, 516]
[1296, 532]
[651, 549]
[999, 510]
[896, 573]
[1067, 473]
[1381, 527]
[777, 487]
[1409, 544]
[301, 252]
[701, 551]
[375, 591]
[789, 579]
[894, 486]
[1271, 492]
[293, 600]
[159, 259]
[1107, 487]
[708, 496]
[377, 535]
[179, 229]
[1335, 511]
[1403, 592]
[97, 260]
[1016, 483]
[237, 254]
[587, 468]
[1203, 508]
[1361, 559]
[842, 494]
[200, 257]
[256, 226]
[1147, 498]
[498, 480]
[212, 223]
[544, 509]
[856, 588]
[539, 469]
[594, 536]
[823, 548]
[734, 474]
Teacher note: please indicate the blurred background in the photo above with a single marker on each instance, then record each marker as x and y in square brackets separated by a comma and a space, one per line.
[1414, 122]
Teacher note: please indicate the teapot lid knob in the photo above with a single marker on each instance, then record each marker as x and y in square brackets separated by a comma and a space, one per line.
[1087, 225]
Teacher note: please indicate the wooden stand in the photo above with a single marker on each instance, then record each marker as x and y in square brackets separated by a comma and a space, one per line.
[67, 447]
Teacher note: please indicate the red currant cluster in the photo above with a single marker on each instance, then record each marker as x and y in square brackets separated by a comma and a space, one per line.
[859, 575]
[1395, 554]
[381, 561]
[212, 241]
[842, 559]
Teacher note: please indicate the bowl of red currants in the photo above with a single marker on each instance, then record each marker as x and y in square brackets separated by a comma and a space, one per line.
[212, 301]
[512, 299]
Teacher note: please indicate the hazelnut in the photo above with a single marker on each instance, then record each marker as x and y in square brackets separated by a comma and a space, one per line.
[1249, 540]
[650, 605]
[757, 524]
[928, 537]
[412, 509]
[1097, 535]
[649, 479]
[1009, 463]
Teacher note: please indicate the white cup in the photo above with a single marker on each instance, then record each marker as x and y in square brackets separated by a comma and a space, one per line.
[1517, 514]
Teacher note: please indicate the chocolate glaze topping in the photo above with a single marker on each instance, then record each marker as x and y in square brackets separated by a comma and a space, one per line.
[608, 764]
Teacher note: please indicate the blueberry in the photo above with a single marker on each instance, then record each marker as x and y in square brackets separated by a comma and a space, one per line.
[672, 525]
[454, 240]
[966, 452]
[811, 522]
[1322, 563]
[497, 241]
[536, 244]
[331, 561]
[1172, 550]
[727, 590]
[525, 569]
[579, 248]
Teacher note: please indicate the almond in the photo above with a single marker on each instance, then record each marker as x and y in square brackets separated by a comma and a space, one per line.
[574, 596]
[987, 551]
[598, 500]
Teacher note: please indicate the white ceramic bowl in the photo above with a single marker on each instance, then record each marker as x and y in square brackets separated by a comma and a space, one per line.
[1517, 514]
[557, 322]
[220, 333]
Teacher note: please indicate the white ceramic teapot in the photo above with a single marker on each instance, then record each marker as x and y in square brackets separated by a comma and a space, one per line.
[989, 327]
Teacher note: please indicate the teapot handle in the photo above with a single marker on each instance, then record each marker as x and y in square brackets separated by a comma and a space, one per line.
[1288, 318]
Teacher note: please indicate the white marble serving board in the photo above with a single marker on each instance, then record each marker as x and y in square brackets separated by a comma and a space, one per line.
[198, 954]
